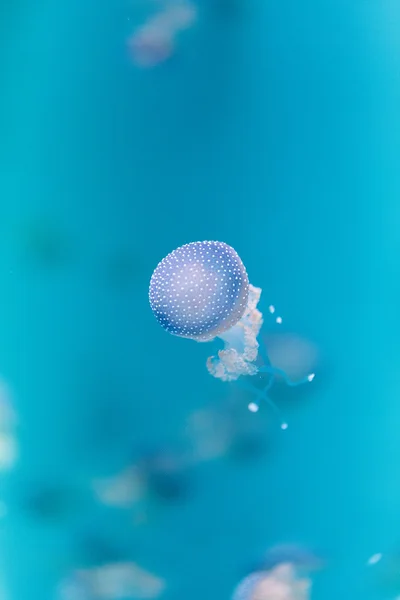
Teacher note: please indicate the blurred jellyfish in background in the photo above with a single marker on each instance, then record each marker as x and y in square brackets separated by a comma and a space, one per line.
[292, 354]
[103, 569]
[298, 357]
[74, 587]
[8, 425]
[154, 42]
[126, 491]
[154, 477]
[165, 474]
[224, 432]
[301, 557]
[122, 490]
[201, 291]
[281, 583]
[114, 581]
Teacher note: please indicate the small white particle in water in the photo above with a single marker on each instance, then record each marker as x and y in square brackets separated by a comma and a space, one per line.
[375, 558]
[271, 309]
[279, 320]
[284, 426]
[253, 407]
[311, 376]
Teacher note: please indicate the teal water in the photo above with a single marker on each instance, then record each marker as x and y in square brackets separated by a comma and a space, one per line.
[275, 128]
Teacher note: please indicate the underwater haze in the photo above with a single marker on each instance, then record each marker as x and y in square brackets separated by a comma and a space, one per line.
[127, 471]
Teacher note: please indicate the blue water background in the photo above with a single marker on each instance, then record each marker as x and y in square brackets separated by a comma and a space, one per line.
[275, 128]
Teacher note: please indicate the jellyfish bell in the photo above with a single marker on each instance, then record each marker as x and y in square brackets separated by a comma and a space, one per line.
[305, 560]
[201, 291]
[151, 45]
[281, 583]
[154, 42]
[177, 15]
[111, 581]
[74, 587]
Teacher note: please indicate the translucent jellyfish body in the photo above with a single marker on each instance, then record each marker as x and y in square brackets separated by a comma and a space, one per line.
[154, 41]
[112, 582]
[201, 291]
[151, 45]
[282, 583]
[300, 557]
[8, 424]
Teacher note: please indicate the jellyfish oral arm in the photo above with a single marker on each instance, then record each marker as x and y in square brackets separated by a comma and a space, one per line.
[240, 353]
[234, 338]
[241, 347]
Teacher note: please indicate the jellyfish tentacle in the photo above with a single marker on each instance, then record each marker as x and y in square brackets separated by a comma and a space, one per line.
[261, 395]
[275, 372]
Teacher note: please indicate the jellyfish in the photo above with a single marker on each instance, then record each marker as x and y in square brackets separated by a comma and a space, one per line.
[8, 424]
[201, 291]
[154, 41]
[122, 580]
[151, 44]
[301, 557]
[281, 583]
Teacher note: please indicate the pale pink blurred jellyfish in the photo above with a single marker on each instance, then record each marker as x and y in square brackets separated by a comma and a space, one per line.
[8, 426]
[293, 354]
[281, 583]
[154, 41]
